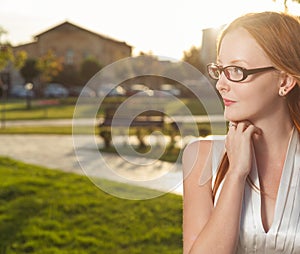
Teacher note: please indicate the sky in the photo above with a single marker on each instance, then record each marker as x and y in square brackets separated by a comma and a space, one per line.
[165, 28]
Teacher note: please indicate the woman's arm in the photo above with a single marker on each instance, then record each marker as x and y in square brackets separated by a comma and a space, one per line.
[209, 229]
[197, 200]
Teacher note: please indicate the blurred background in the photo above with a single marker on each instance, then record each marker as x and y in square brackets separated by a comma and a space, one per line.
[55, 195]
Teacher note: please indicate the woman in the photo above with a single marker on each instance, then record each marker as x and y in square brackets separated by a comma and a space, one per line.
[251, 204]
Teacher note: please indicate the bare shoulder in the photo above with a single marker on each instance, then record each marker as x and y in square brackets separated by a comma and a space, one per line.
[197, 199]
[196, 155]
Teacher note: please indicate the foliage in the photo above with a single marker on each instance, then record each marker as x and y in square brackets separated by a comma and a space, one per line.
[193, 57]
[8, 56]
[49, 66]
[69, 76]
[145, 63]
[30, 71]
[286, 5]
[89, 68]
[48, 211]
[19, 59]
[2, 32]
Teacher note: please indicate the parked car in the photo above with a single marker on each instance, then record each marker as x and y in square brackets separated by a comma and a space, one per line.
[170, 89]
[117, 91]
[19, 91]
[139, 89]
[55, 90]
[111, 90]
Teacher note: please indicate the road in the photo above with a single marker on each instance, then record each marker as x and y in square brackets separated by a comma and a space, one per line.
[92, 121]
[79, 154]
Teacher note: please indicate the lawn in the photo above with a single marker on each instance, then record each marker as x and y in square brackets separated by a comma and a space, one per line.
[40, 109]
[16, 109]
[59, 130]
[11, 110]
[49, 211]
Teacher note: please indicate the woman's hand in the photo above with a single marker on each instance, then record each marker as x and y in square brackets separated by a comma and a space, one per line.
[239, 147]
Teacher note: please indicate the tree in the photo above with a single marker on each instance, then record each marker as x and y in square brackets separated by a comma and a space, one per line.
[30, 70]
[146, 62]
[286, 9]
[69, 76]
[192, 56]
[89, 68]
[2, 32]
[7, 56]
[49, 66]
[8, 59]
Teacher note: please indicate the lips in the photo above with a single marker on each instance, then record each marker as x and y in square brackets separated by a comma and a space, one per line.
[228, 102]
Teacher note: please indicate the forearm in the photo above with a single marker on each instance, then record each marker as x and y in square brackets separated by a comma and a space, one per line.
[221, 232]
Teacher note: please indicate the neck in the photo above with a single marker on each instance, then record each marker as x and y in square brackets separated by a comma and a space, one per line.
[276, 128]
[275, 136]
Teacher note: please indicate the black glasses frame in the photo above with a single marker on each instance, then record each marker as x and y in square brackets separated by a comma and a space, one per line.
[246, 72]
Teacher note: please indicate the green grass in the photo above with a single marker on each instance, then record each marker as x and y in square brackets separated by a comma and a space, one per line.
[60, 130]
[49, 211]
[64, 108]
[17, 110]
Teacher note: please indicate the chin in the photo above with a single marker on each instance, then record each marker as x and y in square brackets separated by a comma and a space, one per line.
[233, 117]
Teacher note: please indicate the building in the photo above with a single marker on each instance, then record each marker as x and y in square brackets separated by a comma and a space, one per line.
[209, 44]
[74, 44]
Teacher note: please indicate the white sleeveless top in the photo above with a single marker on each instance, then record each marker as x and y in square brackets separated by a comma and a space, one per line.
[284, 233]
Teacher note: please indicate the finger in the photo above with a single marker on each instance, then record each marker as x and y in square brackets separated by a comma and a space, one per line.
[231, 128]
[242, 126]
[232, 124]
[251, 129]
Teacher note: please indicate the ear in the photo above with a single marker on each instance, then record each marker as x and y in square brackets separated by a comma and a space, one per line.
[287, 84]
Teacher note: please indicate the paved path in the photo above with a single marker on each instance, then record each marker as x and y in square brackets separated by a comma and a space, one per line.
[58, 152]
[79, 154]
[51, 122]
[91, 121]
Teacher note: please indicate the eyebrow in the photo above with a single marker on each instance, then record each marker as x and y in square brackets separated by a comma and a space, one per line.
[239, 61]
[233, 62]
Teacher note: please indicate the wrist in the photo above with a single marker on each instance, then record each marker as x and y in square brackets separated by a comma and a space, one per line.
[236, 176]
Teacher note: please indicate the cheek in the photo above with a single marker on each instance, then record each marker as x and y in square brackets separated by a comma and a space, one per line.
[263, 88]
[259, 98]
[267, 84]
[251, 103]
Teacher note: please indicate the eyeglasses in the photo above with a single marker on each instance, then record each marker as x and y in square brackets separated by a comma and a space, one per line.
[232, 72]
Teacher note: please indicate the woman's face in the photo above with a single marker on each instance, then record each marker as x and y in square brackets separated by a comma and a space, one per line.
[257, 96]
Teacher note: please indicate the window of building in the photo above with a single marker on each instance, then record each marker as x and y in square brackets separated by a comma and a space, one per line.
[70, 57]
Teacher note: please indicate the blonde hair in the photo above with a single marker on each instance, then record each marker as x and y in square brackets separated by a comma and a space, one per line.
[278, 35]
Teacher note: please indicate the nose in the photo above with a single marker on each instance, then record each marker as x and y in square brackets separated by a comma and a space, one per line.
[222, 84]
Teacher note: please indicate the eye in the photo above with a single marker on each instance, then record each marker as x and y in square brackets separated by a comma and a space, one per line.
[235, 72]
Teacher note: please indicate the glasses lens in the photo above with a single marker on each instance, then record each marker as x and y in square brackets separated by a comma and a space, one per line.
[213, 71]
[234, 73]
